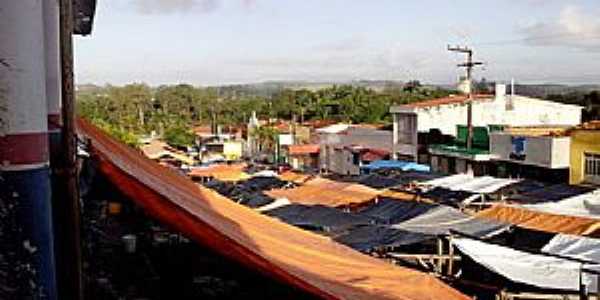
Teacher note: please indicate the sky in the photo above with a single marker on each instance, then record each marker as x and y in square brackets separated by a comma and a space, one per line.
[215, 42]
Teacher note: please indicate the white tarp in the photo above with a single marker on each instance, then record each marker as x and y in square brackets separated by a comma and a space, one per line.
[537, 270]
[465, 182]
[575, 247]
[280, 202]
[584, 205]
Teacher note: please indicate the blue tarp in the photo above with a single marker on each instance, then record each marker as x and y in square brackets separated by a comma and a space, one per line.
[395, 164]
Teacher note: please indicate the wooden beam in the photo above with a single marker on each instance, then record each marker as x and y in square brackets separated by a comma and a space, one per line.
[70, 279]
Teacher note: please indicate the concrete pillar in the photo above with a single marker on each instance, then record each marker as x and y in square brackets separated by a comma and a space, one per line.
[51, 12]
[24, 154]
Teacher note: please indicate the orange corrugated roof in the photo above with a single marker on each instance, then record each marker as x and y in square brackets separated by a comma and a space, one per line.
[304, 149]
[294, 256]
[453, 99]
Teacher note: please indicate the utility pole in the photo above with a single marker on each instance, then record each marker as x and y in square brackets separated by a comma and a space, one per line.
[468, 65]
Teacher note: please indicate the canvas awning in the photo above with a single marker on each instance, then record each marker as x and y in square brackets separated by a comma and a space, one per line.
[542, 221]
[327, 192]
[518, 266]
[297, 178]
[222, 172]
[585, 205]
[310, 262]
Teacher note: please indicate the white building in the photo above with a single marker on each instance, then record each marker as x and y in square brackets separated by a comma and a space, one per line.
[342, 144]
[499, 109]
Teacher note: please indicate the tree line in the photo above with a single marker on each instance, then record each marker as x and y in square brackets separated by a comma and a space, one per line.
[172, 110]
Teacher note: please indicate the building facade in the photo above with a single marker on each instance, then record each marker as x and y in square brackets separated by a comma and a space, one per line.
[446, 113]
[535, 153]
[342, 145]
[585, 154]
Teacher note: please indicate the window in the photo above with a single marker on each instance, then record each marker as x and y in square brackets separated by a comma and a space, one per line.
[592, 167]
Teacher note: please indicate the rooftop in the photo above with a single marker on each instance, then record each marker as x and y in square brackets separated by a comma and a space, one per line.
[304, 149]
[452, 99]
[543, 130]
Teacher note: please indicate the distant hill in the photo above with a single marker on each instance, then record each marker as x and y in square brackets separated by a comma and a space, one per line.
[544, 90]
[270, 87]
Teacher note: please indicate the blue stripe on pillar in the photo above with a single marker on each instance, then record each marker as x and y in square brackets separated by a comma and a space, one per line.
[25, 199]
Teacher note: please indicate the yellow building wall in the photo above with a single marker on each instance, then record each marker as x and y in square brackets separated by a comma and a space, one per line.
[582, 141]
[232, 150]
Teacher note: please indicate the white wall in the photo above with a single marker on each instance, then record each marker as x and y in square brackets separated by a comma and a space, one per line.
[527, 111]
[543, 151]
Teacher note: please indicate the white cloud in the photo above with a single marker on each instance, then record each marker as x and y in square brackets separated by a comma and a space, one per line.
[176, 6]
[573, 28]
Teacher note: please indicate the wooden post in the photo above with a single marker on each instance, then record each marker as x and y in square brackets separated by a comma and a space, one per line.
[71, 283]
[440, 254]
[451, 255]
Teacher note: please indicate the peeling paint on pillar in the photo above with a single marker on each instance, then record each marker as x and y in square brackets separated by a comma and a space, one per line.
[26, 251]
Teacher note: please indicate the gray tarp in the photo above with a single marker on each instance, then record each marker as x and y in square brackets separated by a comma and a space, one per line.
[441, 220]
[375, 237]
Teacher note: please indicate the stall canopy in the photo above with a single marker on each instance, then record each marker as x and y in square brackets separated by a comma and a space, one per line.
[574, 247]
[468, 183]
[294, 256]
[441, 220]
[222, 172]
[542, 221]
[518, 266]
[297, 178]
[327, 192]
[585, 205]
[388, 211]
[538, 193]
[377, 237]
[318, 217]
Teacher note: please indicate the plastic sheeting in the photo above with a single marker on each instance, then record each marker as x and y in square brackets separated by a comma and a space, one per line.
[310, 262]
[376, 237]
[320, 191]
[575, 247]
[318, 217]
[387, 211]
[395, 164]
[585, 205]
[442, 219]
[542, 221]
[537, 270]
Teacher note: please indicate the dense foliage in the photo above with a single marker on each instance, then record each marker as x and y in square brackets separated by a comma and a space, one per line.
[590, 101]
[170, 111]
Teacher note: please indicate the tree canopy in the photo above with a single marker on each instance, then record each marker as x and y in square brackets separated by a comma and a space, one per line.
[171, 110]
